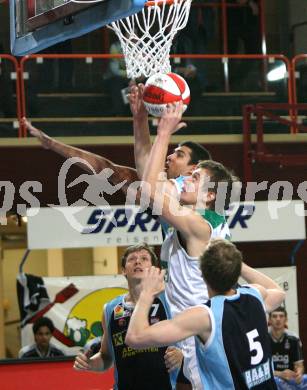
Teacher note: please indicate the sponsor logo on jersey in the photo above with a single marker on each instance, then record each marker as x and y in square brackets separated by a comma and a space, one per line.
[257, 375]
[282, 361]
[118, 312]
[118, 338]
[130, 352]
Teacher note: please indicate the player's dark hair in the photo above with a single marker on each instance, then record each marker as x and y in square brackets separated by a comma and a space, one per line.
[280, 309]
[221, 265]
[138, 248]
[43, 321]
[198, 152]
[222, 178]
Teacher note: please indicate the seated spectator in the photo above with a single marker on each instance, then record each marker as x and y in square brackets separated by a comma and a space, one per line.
[42, 348]
[243, 27]
[287, 353]
[188, 69]
[116, 82]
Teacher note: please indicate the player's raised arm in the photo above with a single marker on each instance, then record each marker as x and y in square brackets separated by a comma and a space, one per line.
[271, 292]
[98, 163]
[141, 334]
[163, 200]
[142, 142]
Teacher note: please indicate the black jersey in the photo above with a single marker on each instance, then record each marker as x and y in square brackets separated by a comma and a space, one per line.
[142, 369]
[286, 351]
[237, 354]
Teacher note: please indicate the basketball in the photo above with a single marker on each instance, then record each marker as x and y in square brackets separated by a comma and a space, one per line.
[161, 89]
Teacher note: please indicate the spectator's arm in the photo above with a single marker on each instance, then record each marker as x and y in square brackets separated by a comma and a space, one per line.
[116, 68]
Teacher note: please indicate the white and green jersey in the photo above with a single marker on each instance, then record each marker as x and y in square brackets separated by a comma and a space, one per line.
[185, 286]
[217, 222]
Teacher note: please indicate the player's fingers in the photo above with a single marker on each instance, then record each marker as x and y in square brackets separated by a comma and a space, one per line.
[179, 107]
[141, 88]
[168, 108]
[180, 125]
[133, 88]
[25, 122]
[81, 362]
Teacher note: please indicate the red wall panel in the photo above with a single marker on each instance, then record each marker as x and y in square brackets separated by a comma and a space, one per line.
[51, 375]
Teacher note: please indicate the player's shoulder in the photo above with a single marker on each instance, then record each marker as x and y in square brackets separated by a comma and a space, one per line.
[161, 297]
[251, 290]
[292, 335]
[114, 302]
[212, 217]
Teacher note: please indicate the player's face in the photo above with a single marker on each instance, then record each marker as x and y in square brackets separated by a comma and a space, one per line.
[178, 163]
[136, 264]
[42, 337]
[278, 320]
[195, 191]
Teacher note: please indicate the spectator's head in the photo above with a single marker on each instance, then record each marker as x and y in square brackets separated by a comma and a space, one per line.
[278, 318]
[43, 329]
[221, 265]
[136, 259]
[183, 160]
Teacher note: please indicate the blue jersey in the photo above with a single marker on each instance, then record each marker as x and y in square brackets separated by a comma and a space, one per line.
[237, 355]
[142, 368]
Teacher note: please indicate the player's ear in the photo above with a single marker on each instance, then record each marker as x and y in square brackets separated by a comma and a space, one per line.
[124, 273]
[211, 196]
[191, 169]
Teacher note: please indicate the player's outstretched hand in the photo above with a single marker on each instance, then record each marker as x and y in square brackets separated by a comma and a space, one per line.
[82, 362]
[40, 135]
[170, 121]
[137, 106]
[153, 282]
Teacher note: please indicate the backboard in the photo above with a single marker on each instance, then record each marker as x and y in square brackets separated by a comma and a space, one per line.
[38, 24]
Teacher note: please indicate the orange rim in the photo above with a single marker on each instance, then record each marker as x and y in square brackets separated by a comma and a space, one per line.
[159, 2]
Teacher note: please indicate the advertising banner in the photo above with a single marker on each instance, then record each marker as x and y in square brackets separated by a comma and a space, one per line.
[74, 304]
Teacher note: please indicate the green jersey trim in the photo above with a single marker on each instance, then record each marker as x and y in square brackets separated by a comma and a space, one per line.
[212, 217]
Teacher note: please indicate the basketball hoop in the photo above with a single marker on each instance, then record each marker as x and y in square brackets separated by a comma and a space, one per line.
[146, 37]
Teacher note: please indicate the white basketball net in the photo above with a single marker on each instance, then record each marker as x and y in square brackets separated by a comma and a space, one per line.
[146, 37]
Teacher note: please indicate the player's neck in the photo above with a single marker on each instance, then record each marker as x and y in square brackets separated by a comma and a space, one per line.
[277, 334]
[212, 293]
[134, 293]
